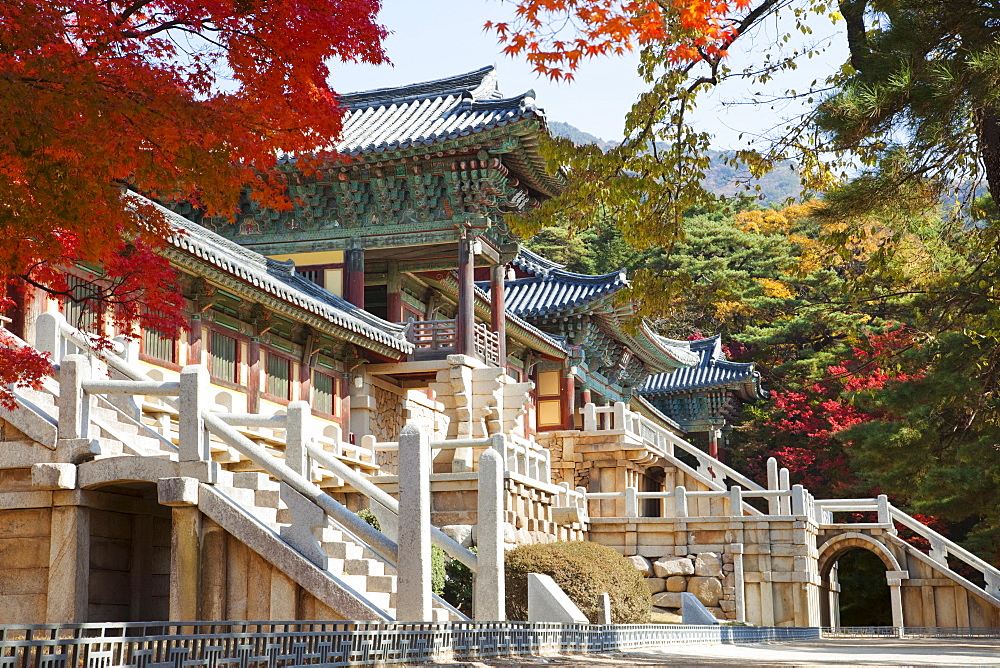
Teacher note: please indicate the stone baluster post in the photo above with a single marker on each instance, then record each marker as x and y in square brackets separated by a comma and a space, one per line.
[192, 435]
[798, 500]
[75, 405]
[589, 417]
[631, 502]
[490, 595]
[773, 506]
[883, 509]
[48, 335]
[680, 502]
[736, 501]
[620, 415]
[784, 485]
[414, 563]
[297, 437]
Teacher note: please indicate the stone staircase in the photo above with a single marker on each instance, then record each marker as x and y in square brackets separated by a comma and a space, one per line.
[115, 434]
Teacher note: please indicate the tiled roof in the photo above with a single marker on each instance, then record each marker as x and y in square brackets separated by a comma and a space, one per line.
[422, 114]
[532, 263]
[557, 290]
[278, 279]
[712, 370]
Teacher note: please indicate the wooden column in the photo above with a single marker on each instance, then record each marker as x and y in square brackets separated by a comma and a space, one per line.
[394, 293]
[194, 340]
[355, 268]
[253, 375]
[498, 314]
[466, 320]
[569, 399]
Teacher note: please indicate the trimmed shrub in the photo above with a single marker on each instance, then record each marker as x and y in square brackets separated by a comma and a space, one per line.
[584, 570]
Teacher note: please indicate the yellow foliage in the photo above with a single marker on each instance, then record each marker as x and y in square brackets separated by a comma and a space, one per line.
[728, 309]
[775, 288]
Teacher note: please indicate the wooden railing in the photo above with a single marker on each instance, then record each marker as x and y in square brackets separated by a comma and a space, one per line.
[435, 339]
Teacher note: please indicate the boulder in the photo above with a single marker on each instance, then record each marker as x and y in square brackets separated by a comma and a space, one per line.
[676, 583]
[642, 564]
[706, 590]
[667, 566]
[708, 564]
[667, 599]
[656, 585]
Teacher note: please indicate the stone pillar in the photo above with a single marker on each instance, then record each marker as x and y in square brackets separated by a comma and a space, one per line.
[48, 334]
[297, 436]
[69, 564]
[181, 494]
[355, 266]
[75, 405]
[773, 506]
[361, 406]
[895, 580]
[214, 572]
[739, 585]
[191, 433]
[498, 314]
[413, 598]
[490, 595]
[466, 318]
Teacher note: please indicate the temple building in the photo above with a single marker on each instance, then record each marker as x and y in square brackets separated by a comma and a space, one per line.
[387, 344]
[706, 398]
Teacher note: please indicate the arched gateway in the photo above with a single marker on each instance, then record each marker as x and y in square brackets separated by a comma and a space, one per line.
[830, 553]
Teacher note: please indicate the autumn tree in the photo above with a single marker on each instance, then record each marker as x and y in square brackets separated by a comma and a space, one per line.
[177, 98]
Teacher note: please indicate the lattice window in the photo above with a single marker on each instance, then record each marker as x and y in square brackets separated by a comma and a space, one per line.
[160, 346]
[82, 310]
[325, 394]
[279, 374]
[222, 357]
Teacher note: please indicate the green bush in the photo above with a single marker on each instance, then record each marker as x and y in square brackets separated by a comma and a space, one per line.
[584, 570]
[458, 585]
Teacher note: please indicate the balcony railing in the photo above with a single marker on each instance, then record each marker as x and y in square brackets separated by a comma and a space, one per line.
[436, 339]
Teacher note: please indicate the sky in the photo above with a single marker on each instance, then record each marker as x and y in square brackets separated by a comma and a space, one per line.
[432, 39]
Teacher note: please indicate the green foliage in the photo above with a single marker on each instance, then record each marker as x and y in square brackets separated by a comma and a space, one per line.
[438, 561]
[368, 516]
[584, 571]
[458, 585]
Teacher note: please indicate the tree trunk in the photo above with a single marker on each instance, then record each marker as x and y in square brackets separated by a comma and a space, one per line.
[988, 130]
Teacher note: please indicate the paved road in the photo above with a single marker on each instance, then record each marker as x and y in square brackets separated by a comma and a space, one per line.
[830, 652]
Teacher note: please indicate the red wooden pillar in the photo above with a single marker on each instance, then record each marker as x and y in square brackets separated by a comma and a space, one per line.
[253, 375]
[466, 321]
[498, 314]
[355, 266]
[194, 340]
[568, 403]
[394, 294]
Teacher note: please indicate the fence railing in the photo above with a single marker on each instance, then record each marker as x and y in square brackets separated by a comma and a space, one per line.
[196, 424]
[520, 456]
[662, 441]
[336, 644]
[433, 339]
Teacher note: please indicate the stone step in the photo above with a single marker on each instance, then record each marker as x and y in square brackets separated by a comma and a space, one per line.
[364, 567]
[343, 551]
[255, 480]
[382, 583]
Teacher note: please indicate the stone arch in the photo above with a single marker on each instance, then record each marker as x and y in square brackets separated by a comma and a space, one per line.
[832, 550]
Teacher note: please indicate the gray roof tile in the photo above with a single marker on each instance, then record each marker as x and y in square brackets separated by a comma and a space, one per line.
[278, 279]
[712, 370]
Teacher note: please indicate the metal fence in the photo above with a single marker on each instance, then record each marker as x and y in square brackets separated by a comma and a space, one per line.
[290, 644]
[909, 632]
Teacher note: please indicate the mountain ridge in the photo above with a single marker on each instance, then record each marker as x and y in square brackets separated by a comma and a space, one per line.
[724, 180]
